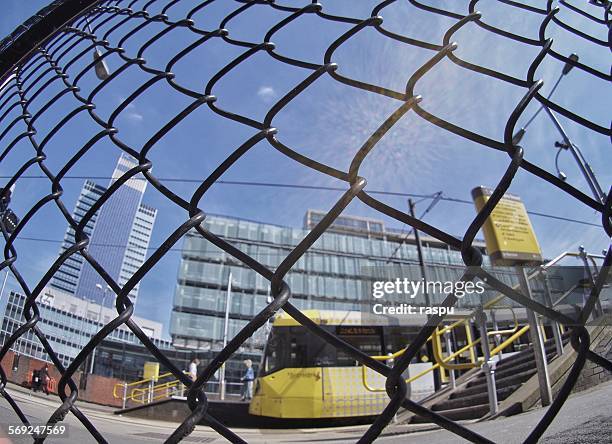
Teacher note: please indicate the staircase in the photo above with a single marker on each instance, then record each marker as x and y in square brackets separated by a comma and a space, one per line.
[470, 400]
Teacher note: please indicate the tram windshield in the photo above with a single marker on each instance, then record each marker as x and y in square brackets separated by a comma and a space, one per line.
[297, 347]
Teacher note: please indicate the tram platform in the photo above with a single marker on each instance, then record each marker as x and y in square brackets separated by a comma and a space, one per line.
[231, 412]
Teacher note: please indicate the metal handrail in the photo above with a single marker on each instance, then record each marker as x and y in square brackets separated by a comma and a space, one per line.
[471, 344]
[566, 294]
[418, 375]
[515, 332]
[437, 347]
[124, 385]
[147, 394]
[442, 362]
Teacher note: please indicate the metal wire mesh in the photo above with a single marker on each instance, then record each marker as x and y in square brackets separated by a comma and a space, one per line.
[40, 46]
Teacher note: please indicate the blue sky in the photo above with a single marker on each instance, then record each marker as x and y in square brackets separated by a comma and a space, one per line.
[328, 122]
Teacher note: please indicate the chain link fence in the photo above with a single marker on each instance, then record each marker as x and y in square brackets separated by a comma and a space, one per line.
[42, 44]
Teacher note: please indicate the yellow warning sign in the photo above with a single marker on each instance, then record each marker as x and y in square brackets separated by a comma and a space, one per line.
[508, 232]
[151, 370]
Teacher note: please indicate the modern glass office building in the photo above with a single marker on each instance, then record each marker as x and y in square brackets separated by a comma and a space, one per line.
[330, 276]
[68, 324]
[67, 277]
[119, 237]
[335, 274]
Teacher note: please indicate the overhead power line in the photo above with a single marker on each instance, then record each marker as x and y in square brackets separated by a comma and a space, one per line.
[436, 199]
[315, 187]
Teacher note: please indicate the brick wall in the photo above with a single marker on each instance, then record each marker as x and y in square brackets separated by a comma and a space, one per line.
[592, 374]
[99, 389]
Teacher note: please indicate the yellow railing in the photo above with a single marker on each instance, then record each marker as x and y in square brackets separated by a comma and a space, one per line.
[443, 363]
[510, 340]
[144, 390]
[437, 344]
[160, 391]
[418, 375]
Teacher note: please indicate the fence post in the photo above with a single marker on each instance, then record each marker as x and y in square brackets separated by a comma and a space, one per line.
[535, 334]
[151, 385]
[553, 324]
[597, 309]
[488, 366]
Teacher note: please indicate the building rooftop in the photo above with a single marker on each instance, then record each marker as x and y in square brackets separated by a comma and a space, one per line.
[395, 234]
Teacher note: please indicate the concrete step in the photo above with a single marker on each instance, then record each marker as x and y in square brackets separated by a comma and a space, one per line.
[472, 412]
[520, 360]
[480, 385]
[479, 398]
[472, 401]
[549, 345]
[509, 371]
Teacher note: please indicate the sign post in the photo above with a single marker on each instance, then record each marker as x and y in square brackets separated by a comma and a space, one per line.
[511, 241]
[151, 372]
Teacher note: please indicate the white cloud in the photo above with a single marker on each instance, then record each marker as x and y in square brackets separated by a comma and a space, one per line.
[132, 114]
[266, 93]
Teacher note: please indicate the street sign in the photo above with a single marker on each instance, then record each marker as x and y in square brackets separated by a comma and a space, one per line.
[151, 371]
[508, 233]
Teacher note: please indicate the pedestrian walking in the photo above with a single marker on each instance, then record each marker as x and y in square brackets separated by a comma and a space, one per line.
[44, 374]
[193, 368]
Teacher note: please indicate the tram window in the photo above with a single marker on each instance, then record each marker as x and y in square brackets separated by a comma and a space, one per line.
[274, 349]
[398, 338]
[370, 345]
[309, 350]
[298, 352]
[296, 347]
[365, 338]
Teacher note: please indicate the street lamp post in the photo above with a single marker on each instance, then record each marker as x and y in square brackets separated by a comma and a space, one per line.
[583, 164]
[104, 292]
[228, 296]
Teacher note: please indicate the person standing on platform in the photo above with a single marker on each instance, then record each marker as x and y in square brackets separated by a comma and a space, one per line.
[248, 378]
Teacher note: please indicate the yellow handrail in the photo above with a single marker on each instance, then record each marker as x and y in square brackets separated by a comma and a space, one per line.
[437, 345]
[463, 321]
[138, 394]
[443, 363]
[510, 340]
[123, 386]
[437, 351]
[417, 376]
[509, 331]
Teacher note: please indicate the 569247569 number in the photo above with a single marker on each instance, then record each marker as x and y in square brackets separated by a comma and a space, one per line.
[45, 429]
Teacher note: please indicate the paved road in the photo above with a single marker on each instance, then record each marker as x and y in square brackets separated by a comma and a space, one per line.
[585, 419]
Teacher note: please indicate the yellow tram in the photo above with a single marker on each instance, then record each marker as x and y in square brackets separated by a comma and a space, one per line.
[302, 376]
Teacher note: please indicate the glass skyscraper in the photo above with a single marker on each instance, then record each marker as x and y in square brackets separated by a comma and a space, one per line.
[67, 277]
[331, 276]
[119, 234]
